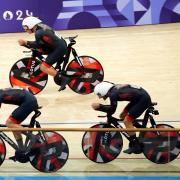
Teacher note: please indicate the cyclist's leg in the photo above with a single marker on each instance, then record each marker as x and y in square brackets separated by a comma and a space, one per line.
[12, 122]
[127, 119]
[28, 105]
[48, 69]
[52, 58]
[135, 109]
[128, 122]
[46, 66]
[125, 111]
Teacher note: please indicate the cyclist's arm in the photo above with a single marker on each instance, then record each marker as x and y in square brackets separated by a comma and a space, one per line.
[39, 40]
[109, 109]
[33, 45]
[46, 38]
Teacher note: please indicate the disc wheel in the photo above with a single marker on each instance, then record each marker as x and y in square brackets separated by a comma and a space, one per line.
[102, 147]
[2, 151]
[51, 155]
[84, 80]
[160, 148]
[26, 73]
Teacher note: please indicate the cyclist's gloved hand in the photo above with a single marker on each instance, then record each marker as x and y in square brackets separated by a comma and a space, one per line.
[36, 53]
[103, 108]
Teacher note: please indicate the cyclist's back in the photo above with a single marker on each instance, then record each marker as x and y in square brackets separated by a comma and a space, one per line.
[12, 96]
[47, 41]
[15, 96]
[26, 101]
[127, 92]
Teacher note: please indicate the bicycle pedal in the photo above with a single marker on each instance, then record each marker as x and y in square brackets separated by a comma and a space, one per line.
[131, 150]
[13, 158]
[62, 88]
[128, 151]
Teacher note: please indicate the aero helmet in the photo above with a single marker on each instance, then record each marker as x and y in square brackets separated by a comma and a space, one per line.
[30, 22]
[103, 88]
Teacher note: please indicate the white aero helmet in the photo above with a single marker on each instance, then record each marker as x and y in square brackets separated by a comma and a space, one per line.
[30, 22]
[103, 88]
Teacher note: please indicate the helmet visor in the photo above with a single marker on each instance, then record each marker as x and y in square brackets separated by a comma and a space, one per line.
[99, 95]
[25, 28]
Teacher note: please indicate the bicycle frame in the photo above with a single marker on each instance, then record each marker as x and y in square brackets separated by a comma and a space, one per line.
[33, 123]
[70, 50]
[147, 118]
[160, 148]
[8, 140]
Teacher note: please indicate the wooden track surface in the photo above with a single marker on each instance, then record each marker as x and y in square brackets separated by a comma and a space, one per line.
[147, 56]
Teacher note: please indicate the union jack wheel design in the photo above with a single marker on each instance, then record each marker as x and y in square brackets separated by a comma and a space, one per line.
[26, 73]
[86, 79]
[160, 147]
[2, 151]
[102, 147]
[50, 155]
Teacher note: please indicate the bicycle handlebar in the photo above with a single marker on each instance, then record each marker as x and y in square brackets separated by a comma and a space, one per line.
[35, 53]
[102, 116]
[71, 38]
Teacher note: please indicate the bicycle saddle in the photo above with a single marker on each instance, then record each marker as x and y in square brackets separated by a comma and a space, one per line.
[153, 103]
[152, 110]
[71, 38]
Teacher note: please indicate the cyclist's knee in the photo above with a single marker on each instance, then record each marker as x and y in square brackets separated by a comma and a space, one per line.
[11, 121]
[123, 114]
[128, 120]
[44, 65]
[46, 68]
[95, 106]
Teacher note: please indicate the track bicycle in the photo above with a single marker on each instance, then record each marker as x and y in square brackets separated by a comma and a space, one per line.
[85, 72]
[158, 147]
[48, 153]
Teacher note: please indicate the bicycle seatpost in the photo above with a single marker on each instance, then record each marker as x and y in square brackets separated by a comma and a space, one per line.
[113, 120]
[33, 119]
[37, 114]
[100, 116]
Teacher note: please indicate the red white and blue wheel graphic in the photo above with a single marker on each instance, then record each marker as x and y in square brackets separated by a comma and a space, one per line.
[26, 73]
[102, 147]
[85, 80]
[161, 147]
[50, 156]
[2, 151]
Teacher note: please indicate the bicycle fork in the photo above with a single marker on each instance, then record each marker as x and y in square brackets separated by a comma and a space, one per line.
[153, 124]
[118, 125]
[78, 59]
[8, 140]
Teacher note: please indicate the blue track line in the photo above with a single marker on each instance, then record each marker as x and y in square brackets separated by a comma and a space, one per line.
[90, 177]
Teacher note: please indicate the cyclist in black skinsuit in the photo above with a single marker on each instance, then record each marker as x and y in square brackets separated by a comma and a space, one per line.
[139, 101]
[48, 43]
[26, 103]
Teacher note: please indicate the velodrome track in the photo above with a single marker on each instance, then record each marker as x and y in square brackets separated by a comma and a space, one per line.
[143, 55]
